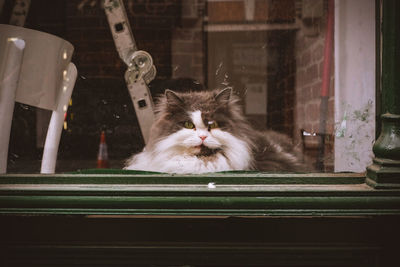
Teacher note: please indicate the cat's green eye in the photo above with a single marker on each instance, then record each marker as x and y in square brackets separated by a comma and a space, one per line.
[188, 125]
[212, 125]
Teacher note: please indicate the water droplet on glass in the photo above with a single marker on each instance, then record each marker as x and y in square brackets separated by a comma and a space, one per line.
[219, 68]
[26, 107]
[226, 82]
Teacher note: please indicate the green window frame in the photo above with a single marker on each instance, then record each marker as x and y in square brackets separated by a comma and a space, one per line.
[230, 194]
[222, 219]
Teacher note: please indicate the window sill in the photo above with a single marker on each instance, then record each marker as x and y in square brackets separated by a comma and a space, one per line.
[216, 195]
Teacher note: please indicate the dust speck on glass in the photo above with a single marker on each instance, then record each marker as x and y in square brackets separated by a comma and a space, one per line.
[252, 85]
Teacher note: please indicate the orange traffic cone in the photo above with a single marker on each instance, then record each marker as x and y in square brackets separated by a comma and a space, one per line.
[102, 156]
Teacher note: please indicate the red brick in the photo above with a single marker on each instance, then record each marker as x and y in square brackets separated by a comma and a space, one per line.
[198, 36]
[300, 43]
[301, 114]
[153, 35]
[226, 11]
[261, 10]
[97, 34]
[281, 10]
[198, 59]
[184, 47]
[321, 68]
[87, 22]
[316, 90]
[312, 112]
[183, 34]
[305, 59]
[311, 74]
[318, 53]
[301, 81]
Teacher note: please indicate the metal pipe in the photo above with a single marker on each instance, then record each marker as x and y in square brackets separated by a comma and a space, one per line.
[326, 80]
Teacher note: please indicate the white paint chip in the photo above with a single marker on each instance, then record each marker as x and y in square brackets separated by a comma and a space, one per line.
[211, 185]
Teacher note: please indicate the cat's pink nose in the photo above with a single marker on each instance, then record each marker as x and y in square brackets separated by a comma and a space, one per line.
[202, 137]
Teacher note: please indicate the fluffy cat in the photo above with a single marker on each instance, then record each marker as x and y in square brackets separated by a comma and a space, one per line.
[199, 132]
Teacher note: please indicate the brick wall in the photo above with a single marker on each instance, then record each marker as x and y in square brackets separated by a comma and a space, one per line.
[309, 52]
[264, 11]
[294, 96]
[100, 98]
[187, 48]
[282, 83]
[151, 23]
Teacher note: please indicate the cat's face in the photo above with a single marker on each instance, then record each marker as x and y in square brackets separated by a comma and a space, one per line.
[197, 136]
[197, 123]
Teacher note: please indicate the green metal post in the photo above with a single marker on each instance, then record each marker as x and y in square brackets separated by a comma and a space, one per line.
[385, 171]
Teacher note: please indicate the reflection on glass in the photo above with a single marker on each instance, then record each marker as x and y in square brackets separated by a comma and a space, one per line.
[274, 54]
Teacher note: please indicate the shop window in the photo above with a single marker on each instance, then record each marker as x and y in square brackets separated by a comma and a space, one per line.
[294, 72]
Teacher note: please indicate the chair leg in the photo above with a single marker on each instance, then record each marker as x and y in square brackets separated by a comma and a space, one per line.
[9, 75]
[57, 121]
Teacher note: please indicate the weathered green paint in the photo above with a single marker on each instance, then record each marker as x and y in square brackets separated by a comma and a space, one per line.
[388, 144]
[230, 195]
[385, 171]
[391, 57]
[378, 78]
[101, 176]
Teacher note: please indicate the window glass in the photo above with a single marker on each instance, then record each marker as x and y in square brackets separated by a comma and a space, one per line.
[302, 68]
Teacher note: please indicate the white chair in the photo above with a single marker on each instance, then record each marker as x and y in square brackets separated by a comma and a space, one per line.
[35, 69]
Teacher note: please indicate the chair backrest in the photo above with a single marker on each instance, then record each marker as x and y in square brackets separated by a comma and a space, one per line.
[38, 74]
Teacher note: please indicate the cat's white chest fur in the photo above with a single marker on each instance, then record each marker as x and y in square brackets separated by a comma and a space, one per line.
[178, 163]
[179, 152]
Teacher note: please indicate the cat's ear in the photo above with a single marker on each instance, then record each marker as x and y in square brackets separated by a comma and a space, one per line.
[224, 96]
[173, 98]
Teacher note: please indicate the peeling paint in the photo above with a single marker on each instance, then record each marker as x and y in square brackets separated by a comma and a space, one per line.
[211, 185]
[353, 132]
[341, 130]
[363, 114]
[360, 115]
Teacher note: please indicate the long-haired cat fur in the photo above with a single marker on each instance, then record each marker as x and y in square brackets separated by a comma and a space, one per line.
[199, 132]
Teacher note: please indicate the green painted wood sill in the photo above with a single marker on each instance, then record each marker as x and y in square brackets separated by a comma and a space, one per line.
[122, 193]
